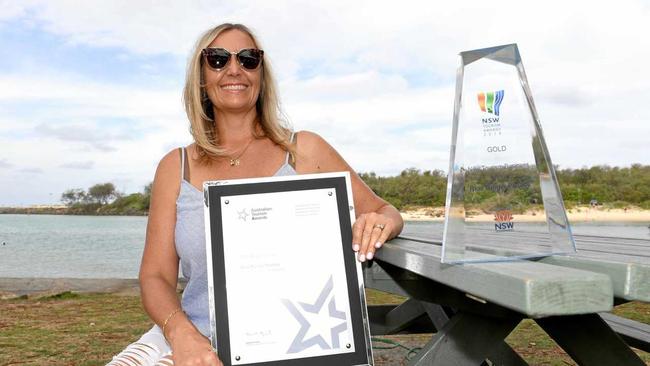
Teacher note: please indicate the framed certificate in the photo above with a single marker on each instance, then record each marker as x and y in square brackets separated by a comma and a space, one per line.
[284, 285]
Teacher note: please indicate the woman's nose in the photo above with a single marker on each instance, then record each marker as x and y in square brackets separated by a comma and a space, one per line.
[233, 68]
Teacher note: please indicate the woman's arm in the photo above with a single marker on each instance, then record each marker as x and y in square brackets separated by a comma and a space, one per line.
[315, 155]
[159, 270]
[159, 267]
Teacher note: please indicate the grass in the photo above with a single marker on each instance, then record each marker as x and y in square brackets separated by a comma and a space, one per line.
[69, 329]
[88, 329]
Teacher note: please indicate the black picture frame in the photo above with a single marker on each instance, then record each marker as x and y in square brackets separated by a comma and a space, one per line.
[214, 191]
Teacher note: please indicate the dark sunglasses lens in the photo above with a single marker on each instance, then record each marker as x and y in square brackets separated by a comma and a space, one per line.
[217, 59]
[249, 59]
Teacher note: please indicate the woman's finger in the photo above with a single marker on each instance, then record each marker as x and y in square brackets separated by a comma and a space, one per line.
[368, 228]
[385, 233]
[378, 230]
[357, 232]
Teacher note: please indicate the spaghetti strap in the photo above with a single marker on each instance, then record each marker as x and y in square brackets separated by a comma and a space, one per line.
[182, 151]
[185, 166]
[286, 159]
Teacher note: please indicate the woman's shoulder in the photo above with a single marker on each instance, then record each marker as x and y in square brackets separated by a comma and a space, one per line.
[170, 161]
[169, 167]
[307, 141]
[316, 154]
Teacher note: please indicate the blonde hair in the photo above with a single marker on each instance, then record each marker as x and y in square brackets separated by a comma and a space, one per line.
[198, 106]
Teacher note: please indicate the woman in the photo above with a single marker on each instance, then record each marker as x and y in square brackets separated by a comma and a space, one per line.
[232, 106]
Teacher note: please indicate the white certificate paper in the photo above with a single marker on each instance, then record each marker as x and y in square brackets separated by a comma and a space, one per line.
[286, 245]
[284, 272]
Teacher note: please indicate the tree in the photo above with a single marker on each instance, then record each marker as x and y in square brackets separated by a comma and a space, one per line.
[73, 196]
[102, 193]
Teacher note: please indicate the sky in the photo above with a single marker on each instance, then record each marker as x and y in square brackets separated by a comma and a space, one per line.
[90, 91]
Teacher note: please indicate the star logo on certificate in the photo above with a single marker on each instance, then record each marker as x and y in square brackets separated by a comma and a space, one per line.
[242, 214]
[327, 319]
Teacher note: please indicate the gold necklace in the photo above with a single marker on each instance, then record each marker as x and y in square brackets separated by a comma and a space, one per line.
[235, 161]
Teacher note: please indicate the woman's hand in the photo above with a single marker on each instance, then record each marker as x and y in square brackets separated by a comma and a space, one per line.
[369, 232]
[189, 347]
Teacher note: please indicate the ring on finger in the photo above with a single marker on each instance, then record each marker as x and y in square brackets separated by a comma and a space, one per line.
[380, 226]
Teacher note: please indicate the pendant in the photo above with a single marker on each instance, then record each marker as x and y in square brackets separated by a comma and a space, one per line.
[234, 162]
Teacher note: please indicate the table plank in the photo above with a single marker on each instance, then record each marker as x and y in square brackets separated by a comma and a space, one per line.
[534, 289]
[630, 281]
[629, 272]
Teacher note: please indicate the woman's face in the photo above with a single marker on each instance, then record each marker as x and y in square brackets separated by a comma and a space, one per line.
[232, 88]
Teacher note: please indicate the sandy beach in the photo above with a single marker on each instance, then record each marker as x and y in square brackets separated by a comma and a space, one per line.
[576, 214]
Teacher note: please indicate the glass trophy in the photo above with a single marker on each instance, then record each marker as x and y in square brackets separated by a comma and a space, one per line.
[499, 167]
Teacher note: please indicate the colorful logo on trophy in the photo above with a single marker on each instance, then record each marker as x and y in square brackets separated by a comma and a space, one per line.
[503, 220]
[490, 101]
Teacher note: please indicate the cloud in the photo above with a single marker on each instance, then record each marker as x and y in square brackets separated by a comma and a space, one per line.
[11, 9]
[5, 164]
[87, 113]
[376, 80]
[568, 96]
[31, 170]
[81, 165]
[91, 138]
[97, 24]
[78, 96]
[377, 34]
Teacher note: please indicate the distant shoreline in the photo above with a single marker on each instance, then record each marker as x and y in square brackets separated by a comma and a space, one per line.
[12, 287]
[57, 210]
[575, 214]
[38, 287]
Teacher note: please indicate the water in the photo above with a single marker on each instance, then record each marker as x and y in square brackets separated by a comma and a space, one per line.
[71, 246]
[111, 246]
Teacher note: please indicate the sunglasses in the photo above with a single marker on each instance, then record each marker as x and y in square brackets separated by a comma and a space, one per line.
[218, 58]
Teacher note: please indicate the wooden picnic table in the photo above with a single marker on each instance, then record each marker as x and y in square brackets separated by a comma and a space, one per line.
[474, 307]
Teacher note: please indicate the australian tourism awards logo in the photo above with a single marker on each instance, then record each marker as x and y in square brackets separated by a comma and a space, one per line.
[490, 104]
[255, 213]
[503, 220]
